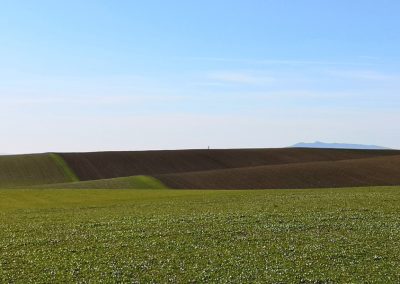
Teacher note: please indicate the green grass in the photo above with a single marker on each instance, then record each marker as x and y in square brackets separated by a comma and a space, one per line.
[133, 182]
[160, 236]
[33, 169]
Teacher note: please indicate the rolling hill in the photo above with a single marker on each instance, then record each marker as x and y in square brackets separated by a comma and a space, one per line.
[132, 182]
[204, 169]
[103, 165]
[377, 171]
[34, 169]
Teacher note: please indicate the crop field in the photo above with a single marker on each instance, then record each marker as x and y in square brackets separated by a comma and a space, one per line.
[34, 169]
[324, 174]
[289, 168]
[349, 235]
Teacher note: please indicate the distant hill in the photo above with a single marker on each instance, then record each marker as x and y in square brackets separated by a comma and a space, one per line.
[384, 170]
[204, 169]
[104, 165]
[319, 144]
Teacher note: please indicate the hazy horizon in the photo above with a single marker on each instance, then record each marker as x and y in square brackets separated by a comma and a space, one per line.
[127, 75]
[315, 144]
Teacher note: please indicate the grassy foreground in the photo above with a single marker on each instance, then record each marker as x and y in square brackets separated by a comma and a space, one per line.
[270, 236]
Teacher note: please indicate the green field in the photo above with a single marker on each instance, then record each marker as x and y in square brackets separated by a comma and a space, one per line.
[159, 236]
[34, 169]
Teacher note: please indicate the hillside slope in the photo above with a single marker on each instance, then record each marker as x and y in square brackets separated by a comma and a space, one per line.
[230, 169]
[104, 165]
[33, 169]
[133, 182]
[346, 173]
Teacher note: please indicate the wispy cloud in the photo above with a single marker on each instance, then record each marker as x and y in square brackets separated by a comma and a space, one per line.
[278, 61]
[368, 75]
[84, 100]
[241, 78]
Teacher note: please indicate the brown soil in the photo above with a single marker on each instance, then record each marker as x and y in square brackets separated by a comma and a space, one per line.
[346, 173]
[236, 168]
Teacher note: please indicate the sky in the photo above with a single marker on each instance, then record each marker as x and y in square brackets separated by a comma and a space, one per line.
[137, 75]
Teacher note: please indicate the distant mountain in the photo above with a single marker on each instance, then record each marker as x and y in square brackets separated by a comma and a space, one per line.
[319, 144]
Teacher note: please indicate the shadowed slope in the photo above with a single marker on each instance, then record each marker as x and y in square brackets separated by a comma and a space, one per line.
[103, 165]
[347, 173]
[25, 170]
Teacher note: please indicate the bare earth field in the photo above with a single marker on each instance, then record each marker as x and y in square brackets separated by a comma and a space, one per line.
[345, 173]
[204, 169]
[245, 168]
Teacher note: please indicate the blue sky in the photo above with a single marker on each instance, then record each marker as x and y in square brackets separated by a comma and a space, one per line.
[129, 75]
